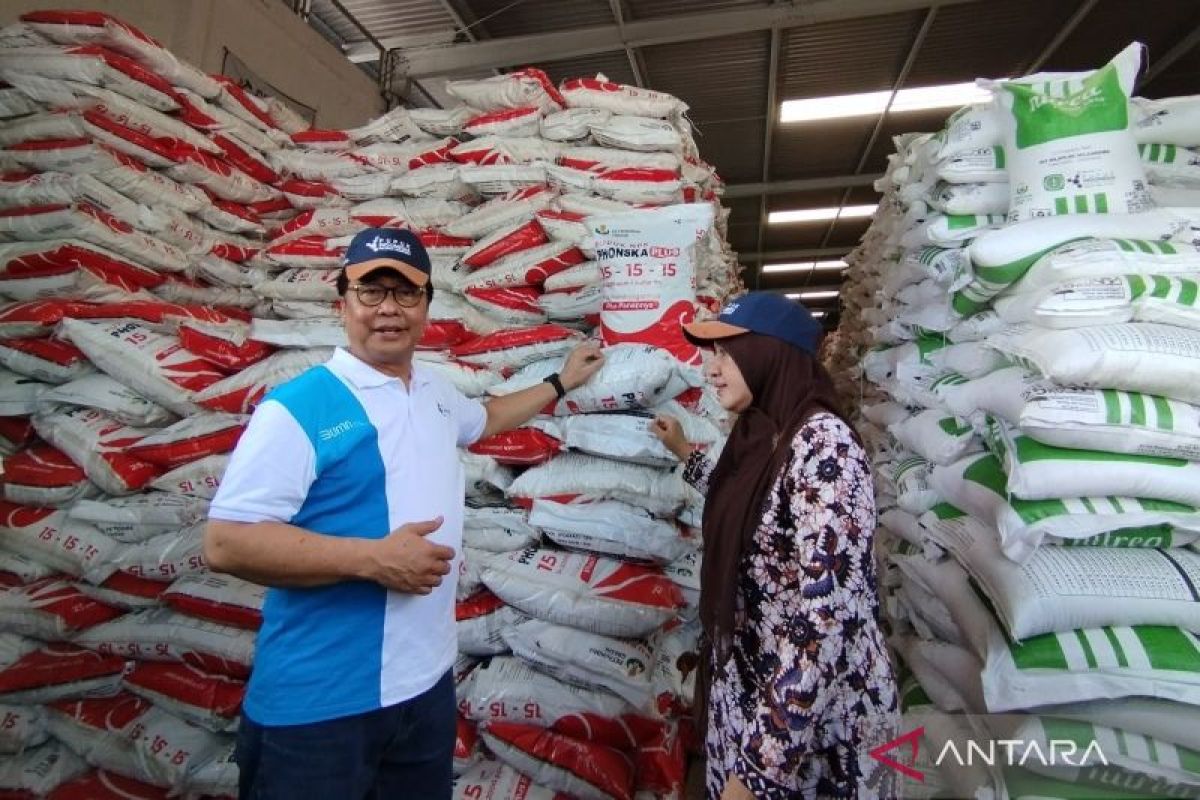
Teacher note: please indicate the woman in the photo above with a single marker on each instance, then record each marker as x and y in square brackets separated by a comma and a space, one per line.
[796, 685]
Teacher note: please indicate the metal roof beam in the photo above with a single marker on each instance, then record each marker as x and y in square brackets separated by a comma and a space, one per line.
[558, 45]
[737, 190]
[791, 255]
[1065, 31]
[1174, 54]
[768, 135]
[619, 15]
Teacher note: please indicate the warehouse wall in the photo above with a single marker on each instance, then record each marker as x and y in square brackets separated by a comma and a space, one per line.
[272, 42]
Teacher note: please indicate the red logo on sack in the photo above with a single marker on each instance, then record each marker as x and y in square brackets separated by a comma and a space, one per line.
[913, 740]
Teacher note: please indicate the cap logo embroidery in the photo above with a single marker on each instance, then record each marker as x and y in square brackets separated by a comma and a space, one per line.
[386, 244]
[729, 309]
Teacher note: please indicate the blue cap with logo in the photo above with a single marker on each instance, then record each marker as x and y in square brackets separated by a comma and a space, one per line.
[387, 248]
[765, 313]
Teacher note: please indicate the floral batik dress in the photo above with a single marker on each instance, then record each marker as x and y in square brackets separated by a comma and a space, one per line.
[807, 688]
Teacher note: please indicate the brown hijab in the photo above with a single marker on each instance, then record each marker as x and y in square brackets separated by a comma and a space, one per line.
[788, 385]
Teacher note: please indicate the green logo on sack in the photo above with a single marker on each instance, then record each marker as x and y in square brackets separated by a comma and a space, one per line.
[1054, 183]
[1055, 110]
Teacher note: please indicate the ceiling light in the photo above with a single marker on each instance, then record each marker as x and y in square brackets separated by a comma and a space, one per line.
[821, 214]
[817, 314]
[804, 266]
[822, 295]
[950, 95]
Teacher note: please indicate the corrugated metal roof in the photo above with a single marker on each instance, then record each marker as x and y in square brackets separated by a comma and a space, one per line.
[816, 59]
[499, 18]
[418, 19]
[650, 9]
[614, 66]
[734, 148]
[722, 78]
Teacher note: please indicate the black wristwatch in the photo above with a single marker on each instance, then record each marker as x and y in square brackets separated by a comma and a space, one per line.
[553, 380]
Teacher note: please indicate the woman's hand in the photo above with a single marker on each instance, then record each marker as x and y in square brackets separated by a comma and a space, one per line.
[736, 790]
[670, 433]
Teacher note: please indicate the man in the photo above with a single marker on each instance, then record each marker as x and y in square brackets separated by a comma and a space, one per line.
[345, 495]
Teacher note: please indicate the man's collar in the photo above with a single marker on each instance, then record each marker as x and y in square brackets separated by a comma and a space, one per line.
[364, 376]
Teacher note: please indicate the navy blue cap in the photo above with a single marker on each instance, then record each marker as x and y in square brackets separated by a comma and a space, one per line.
[387, 248]
[765, 313]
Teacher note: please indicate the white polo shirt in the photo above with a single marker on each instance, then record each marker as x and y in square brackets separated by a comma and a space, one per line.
[345, 450]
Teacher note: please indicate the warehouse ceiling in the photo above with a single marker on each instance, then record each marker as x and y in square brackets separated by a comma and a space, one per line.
[734, 61]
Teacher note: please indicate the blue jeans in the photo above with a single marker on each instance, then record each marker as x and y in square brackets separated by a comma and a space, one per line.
[402, 751]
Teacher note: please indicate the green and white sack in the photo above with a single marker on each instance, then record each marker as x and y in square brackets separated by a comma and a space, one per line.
[1102, 419]
[970, 198]
[1137, 356]
[969, 128]
[1068, 666]
[948, 266]
[937, 437]
[976, 485]
[1065, 588]
[1038, 471]
[984, 165]
[946, 229]
[1000, 258]
[1156, 719]
[1169, 165]
[1105, 258]
[1024, 785]
[1110, 301]
[1070, 143]
[910, 479]
[1171, 120]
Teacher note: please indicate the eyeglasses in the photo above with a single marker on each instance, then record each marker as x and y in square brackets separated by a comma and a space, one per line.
[370, 294]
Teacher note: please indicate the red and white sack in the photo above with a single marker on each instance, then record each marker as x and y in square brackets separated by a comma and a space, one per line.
[611, 528]
[311, 194]
[511, 306]
[520, 447]
[246, 157]
[245, 106]
[19, 394]
[524, 235]
[218, 177]
[581, 276]
[60, 188]
[501, 211]
[484, 475]
[587, 204]
[299, 283]
[217, 775]
[392, 157]
[514, 349]
[677, 658]
[138, 146]
[573, 306]
[501, 179]
[51, 610]
[467, 752]
[579, 658]
[240, 393]
[49, 536]
[579, 769]
[15, 432]
[599, 92]
[77, 259]
[19, 570]
[470, 380]
[660, 492]
[210, 701]
[21, 727]
[169, 749]
[230, 217]
[139, 517]
[490, 150]
[153, 364]
[517, 89]
[47, 360]
[321, 140]
[15, 103]
[102, 729]
[437, 181]
[221, 272]
[506, 689]
[632, 377]
[451, 322]
[394, 126]
[35, 673]
[441, 121]
[160, 634]
[39, 771]
[497, 527]
[564, 226]
[480, 621]
[597, 594]
[91, 225]
[315, 165]
[300, 310]
[369, 186]
[44, 476]
[75, 156]
[495, 780]
[225, 346]
[644, 134]
[311, 252]
[200, 478]
[648, 262]
[661, 764]
[124, 591]
[102, 392]
[102, 785]
[325, 223]
[570, 180]
[218, 598]
[165, 557]
[98, 444]
[470, 567]
[421, 214]
[526, 268]
[150, 188]
[302, 333]
[605, 159]
[139, 118]
[639, 185]
[190, 439]
[572, 124]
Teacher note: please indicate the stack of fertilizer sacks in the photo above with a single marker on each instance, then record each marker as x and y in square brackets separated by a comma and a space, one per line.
[1024, 311]
[168, 244]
